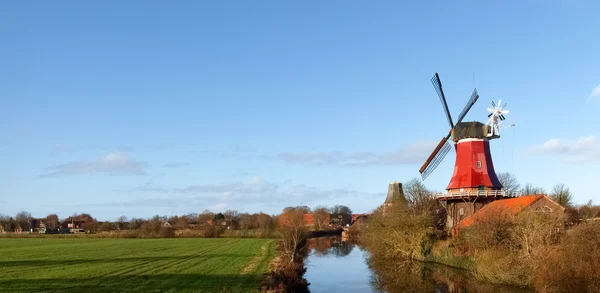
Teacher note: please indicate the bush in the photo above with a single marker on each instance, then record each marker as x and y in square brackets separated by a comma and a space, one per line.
[397, 232]
[503, 267]
[287, 277]
[167, 232]
[213, 231]
[573, 265]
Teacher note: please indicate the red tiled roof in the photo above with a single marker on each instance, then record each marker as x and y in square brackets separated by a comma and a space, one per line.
[511, 205]
[309, 219]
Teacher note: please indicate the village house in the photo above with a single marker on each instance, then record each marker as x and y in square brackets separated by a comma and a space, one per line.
[511, 207]
[18, 228]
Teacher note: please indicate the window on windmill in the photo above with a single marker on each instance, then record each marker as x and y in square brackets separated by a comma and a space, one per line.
[478, 164]
[461, 211]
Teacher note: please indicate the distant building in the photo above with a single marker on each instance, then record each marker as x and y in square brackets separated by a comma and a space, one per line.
[395, 196]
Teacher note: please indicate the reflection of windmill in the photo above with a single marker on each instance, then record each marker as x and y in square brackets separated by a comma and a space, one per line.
[474, 182]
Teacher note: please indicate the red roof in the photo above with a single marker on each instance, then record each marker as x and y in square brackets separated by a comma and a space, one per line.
[511, 206]
[309, 219]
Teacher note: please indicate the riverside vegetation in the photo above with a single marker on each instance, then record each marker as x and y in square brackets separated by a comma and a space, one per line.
[524, 250]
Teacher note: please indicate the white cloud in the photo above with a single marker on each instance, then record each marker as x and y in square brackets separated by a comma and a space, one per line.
[596, 92]
[113, 163]
[411, 154]
[584, 149]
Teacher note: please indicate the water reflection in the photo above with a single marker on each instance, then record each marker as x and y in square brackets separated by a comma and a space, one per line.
[334, 265]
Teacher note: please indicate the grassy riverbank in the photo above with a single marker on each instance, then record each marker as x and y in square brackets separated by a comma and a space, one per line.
[136, 265]
[525, 250]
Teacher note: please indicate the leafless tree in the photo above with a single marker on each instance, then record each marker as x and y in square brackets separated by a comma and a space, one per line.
[51, 221]
[529, 189]
[121, 222]
[24, 220]
[292, 233]
[304, 209]
[509, 182]
[232, 215]
[420, 199]
[561, 195]
[321, 216]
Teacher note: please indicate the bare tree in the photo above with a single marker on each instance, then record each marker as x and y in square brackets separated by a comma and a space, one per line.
[205, 216]
[321, 216]
[304, 209]
[121, 222]
[23, 218]
[561, 195]
[509, 182]
[292, 233]
[529, 189]
[232, 215]
[420, 199]
[51, 221]
[247, 221]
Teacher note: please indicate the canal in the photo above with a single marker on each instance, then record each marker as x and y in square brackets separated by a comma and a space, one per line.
[334, 265]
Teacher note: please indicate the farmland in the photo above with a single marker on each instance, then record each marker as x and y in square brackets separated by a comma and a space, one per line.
[133, 265]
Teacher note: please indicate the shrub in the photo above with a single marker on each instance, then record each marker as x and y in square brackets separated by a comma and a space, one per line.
[213, 231]
[573, 265]
[167, 232]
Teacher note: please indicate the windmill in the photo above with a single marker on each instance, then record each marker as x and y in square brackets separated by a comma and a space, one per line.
[474, 182]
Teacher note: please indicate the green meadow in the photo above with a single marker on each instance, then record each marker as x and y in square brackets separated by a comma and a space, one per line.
[133, 265]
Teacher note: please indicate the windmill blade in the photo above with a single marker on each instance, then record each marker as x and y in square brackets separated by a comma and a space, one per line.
[438, 154]
[470, 104]
[504, 111]
[438, 158]
[502, 117]
[490, 110]
[493, 104]
[437, 84]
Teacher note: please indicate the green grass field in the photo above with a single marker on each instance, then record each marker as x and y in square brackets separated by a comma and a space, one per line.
[133, 265]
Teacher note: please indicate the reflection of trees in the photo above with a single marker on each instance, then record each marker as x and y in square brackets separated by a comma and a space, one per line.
[320, 246]
[393, 275]
[323, 246]
[341, 248]
[396, 275]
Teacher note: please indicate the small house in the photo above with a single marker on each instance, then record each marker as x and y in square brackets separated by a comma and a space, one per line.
[18, 228]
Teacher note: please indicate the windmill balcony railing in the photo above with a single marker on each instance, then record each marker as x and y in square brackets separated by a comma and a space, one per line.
[478, 193]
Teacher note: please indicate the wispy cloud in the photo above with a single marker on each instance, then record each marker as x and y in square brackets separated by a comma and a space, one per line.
[148, 186]
[584, 149]
[63, 149]
[253, 191]
[176, 164]
[595, 94]
[411, 154]
[114, 164]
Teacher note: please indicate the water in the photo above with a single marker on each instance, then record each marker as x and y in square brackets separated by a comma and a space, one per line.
[334, 265]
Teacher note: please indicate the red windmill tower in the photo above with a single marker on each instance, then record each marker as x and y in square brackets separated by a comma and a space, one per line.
[474, 182]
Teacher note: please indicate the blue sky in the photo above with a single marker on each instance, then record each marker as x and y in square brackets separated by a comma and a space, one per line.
[144, 108]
